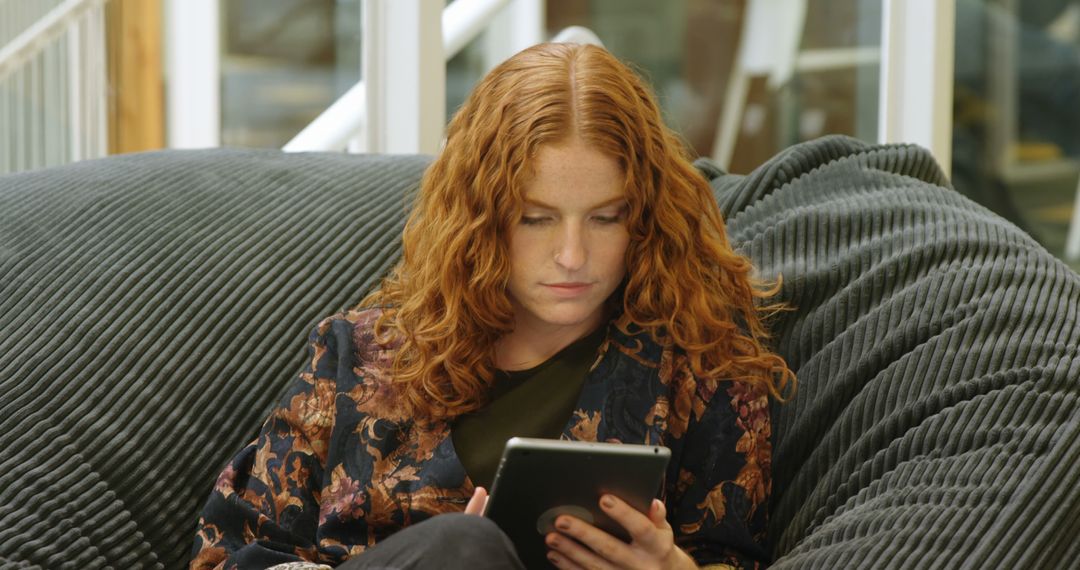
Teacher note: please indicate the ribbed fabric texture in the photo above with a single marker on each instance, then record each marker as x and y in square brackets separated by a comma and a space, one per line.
[936, 422]
[153, 306]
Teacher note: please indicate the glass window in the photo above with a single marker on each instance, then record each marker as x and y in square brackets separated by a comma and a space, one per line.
[1016, 124]
[283, 62]
[811, 66]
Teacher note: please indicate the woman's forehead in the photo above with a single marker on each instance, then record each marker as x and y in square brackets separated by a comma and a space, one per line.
[575, 173]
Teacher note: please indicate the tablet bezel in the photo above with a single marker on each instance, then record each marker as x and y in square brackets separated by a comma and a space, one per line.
[538, 476]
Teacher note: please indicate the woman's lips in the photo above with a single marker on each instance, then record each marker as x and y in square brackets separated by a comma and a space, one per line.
[568, 289]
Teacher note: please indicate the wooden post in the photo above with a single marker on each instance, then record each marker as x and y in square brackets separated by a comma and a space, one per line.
[136, 94]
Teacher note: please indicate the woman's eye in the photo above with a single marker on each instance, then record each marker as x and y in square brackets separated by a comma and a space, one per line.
[615, 219]
[534, 220]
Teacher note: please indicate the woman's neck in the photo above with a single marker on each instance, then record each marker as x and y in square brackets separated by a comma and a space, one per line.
[526, 347]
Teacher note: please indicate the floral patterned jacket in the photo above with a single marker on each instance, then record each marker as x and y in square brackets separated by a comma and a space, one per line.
[336, 468]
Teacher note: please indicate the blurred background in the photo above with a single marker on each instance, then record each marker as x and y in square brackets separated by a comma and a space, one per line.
[107, 77]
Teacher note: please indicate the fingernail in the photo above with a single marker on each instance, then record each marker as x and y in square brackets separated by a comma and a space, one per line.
[607, 501]
[562, 524]
[553, 559]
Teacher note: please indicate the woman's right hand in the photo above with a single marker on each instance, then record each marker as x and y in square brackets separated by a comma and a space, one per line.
[477, 502]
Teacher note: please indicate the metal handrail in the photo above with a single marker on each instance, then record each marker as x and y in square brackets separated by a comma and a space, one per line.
[335, 126]
[36, 37]
[462, 21]
[53, 85]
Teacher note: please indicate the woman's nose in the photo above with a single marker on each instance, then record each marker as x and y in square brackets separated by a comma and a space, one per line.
[571, 253]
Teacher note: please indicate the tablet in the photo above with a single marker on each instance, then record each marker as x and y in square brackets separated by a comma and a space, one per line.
[540, 479]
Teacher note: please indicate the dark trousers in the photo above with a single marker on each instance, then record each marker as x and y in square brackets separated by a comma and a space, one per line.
[446, 541]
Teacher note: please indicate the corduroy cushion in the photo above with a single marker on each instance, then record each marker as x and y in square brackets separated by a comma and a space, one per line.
[152, 306]
[936, 422]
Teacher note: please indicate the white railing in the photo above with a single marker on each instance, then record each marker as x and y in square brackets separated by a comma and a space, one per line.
[463, 21]
[405, 99]
[400, 107]
[53, 83]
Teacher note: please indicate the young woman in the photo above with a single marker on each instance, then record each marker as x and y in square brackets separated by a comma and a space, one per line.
[565, 274]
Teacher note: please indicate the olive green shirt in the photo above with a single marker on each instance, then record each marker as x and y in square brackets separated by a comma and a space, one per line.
[536, 402]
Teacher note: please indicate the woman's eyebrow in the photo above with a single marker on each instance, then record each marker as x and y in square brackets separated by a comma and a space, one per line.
[546, 206]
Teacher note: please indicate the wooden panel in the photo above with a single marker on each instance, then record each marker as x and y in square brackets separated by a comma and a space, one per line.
[136, 95]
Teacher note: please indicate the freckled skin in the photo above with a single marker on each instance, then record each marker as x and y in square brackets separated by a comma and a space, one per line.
[567, 253]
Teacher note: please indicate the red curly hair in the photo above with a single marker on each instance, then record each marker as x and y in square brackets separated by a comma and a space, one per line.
[446, 300]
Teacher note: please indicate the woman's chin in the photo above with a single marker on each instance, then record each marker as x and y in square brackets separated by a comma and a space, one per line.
[571, 319]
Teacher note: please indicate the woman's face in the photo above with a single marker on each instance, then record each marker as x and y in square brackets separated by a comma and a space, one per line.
[567, 252]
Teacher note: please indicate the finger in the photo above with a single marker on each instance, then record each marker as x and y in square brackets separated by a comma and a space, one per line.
[640, 526]
[477, 502]
[575, 554]
[658, 514]
[560, 561]
[605, 546]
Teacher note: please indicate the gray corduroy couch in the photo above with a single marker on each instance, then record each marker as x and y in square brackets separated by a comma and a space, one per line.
[152, 306]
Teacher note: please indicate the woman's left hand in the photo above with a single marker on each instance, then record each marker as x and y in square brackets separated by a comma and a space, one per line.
[478, 502]
[577, 544]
